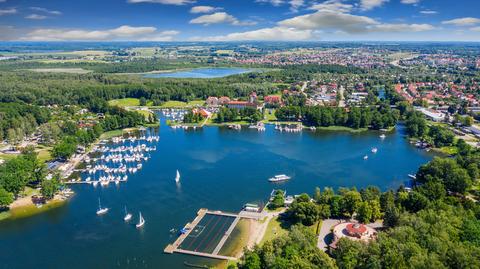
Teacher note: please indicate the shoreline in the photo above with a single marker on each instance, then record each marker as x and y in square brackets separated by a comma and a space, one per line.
[25, 207]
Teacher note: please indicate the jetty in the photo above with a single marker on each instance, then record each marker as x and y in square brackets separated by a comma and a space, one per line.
[207, 233]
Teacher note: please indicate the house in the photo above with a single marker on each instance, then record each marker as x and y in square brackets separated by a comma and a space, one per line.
[203, 112]
[223, 100]
[431, 114]
[251, 207]
[272, 99]
[253, 97]
[212, 101]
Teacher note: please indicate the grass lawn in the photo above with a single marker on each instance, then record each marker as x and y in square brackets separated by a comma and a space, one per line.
[447, 150]
[110, 134]
[270, 116]
[275, 229]
[180, 104]
[125, 102]
[145, 113]
[7, 157]
[44, 154]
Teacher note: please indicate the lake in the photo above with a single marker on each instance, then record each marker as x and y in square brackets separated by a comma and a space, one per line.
[221, 169]
[200, 73]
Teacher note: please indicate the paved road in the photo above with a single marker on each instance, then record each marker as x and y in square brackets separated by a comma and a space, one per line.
[324, 231]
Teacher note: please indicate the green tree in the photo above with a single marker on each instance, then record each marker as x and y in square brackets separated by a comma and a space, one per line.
[364, 212]
[350, 202]
[6, 198]
[49, 187]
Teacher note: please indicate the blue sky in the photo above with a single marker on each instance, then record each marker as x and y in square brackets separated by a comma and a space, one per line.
[233, 20]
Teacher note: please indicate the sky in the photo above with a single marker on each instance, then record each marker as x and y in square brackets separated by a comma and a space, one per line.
[240, 20]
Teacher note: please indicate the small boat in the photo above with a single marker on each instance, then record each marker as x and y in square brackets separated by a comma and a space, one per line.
[141, 221]
[365, 157]
[382, 136]
[101, 210]
[374, 150]
[177, 178]
[95, 183]
[412, 176]
[128, 216]
[279, 178]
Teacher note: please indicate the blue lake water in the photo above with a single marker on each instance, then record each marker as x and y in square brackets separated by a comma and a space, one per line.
[201, 73]
[221, 169]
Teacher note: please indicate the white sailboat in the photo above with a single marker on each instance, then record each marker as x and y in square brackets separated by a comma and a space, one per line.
[141, 221]
[101, 210]
[128, 216]
[177, 178]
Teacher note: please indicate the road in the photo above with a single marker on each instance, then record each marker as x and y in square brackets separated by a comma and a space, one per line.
[324, 232]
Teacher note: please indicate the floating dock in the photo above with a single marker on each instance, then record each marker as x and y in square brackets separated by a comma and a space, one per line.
[206, 235]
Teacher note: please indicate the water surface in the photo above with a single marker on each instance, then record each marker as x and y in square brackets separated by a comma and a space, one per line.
[221, 169]
[201, 73]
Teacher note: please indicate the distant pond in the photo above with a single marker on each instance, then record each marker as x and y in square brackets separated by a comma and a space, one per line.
[201, 73]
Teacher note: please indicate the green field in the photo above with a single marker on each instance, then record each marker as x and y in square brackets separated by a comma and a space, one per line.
[275, 229]
[125, 102]
[110, 134]
[180, 104]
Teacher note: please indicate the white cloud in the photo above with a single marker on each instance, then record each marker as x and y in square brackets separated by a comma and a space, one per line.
[371, 4]
[219, 17]
[273, 2]
[333, 5]
[265, 34]
[35, 17]
[348, 23]
[475, 29]
[468, 21]
[3, 1]
[410, 2]
[162, 36]
[124, 32]
[164, 2]
[51, 12]
[330, 20]
[296, 4]
[401, 27]
[204, 9]
[428, 12]
[8, 11]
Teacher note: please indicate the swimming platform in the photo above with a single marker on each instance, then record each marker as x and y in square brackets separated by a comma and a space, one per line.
[207, 233]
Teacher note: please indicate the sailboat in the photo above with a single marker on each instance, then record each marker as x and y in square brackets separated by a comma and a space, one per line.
[177, 178]
[101, 210]
[128, 216]
[141, 221]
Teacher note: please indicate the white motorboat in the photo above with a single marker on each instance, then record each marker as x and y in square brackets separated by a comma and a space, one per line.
[279, 178]
[365, 157]
[374, 150]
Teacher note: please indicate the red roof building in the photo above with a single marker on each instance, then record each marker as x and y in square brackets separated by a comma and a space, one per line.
[272, 99]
